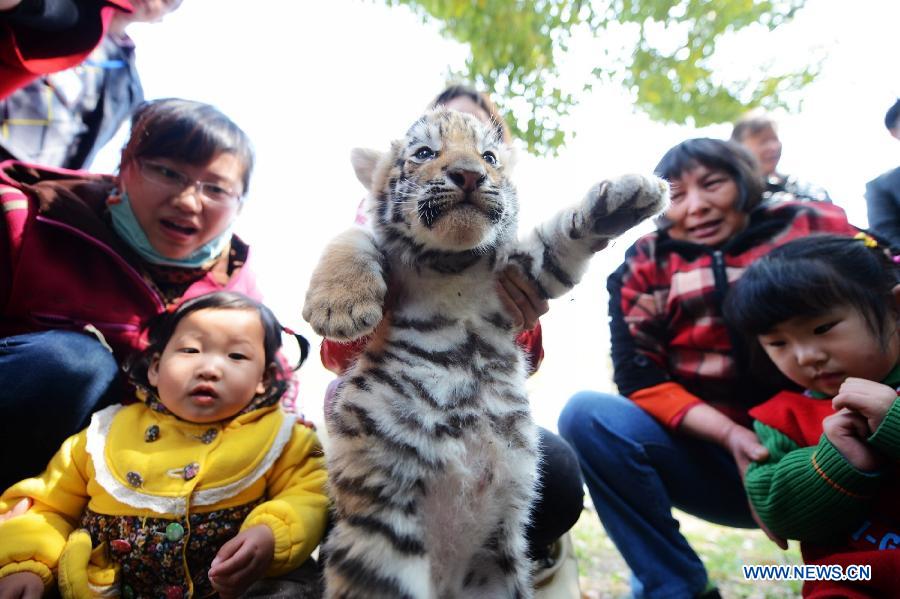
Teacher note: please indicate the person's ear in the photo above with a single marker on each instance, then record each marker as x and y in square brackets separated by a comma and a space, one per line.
[895, 291]
[124, 162]
[153, 371]
[267, 380]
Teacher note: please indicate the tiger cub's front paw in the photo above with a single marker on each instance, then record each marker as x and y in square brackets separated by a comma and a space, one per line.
[615, 206]
[345, 299]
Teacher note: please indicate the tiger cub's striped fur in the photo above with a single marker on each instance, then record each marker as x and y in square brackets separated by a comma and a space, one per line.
[432, 455]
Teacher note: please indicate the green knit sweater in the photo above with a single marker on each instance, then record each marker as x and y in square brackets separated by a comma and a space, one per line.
[813, 493]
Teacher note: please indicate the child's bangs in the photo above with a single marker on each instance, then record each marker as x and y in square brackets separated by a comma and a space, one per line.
[780, 291]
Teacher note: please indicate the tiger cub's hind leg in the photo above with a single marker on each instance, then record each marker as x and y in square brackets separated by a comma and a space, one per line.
[368, 559]
[377, 548]
[501, 568]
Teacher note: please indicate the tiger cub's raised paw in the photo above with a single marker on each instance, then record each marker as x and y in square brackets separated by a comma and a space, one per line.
[612, 207]
[345, 299]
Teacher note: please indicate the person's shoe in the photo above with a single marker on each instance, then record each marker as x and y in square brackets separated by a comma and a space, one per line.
[555, 572]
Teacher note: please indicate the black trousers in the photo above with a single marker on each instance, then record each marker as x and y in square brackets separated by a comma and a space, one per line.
[560, 494]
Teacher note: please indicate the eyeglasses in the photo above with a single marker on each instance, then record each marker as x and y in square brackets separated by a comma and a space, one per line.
[165, 176]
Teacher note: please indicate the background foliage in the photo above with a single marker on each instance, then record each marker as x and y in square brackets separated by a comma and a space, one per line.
[518, 45]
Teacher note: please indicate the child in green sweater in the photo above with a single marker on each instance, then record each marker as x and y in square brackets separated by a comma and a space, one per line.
[825, 311]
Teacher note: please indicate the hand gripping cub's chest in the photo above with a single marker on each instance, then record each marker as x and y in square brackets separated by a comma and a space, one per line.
[432, 458]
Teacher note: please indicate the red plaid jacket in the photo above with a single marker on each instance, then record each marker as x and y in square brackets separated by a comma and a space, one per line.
[671, 348]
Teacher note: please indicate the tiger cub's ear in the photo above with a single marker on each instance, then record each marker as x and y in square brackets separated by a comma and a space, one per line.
[364, 161]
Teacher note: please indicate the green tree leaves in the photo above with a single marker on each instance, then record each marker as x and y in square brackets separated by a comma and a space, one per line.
[517, 45]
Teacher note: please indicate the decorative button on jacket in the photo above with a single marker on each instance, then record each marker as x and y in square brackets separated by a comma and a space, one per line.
[259, 468]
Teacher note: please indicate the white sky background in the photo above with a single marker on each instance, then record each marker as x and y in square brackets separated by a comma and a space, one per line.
[308, 81]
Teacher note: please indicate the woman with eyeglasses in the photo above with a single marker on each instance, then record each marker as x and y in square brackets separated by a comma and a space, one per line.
[85, 259]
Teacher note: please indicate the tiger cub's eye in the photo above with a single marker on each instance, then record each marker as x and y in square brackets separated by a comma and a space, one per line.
[424, 153]
[490, 158]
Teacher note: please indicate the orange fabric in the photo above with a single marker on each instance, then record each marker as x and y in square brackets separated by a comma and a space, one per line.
[667, 402]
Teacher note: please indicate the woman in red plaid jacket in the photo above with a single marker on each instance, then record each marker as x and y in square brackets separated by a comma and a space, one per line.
[677, 435]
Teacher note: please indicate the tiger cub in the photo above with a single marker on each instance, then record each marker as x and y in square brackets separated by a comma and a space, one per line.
[432, 455]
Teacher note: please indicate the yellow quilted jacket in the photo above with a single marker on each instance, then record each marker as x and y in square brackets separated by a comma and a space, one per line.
[131, 461]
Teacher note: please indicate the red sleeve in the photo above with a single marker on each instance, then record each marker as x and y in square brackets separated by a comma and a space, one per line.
[5, 265]
[15, 216]
[531, 342]
[26, 54]
[337, 356]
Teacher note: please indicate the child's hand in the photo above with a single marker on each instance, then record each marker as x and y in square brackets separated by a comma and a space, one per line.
[847, 430]
[21, 585]
[242, 561]
[871, 399]
[20, 508]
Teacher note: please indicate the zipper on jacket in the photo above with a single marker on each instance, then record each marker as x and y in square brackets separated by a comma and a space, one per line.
[720, 276]
[738, 344]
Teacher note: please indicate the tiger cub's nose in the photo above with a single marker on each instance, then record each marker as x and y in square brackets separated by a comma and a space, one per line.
[466, 180]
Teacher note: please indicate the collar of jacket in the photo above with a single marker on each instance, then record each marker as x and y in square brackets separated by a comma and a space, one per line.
[180, 465]
[765, 222]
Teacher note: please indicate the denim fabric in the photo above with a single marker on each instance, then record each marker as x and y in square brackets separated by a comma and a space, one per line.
[636, 471]
[50, 384]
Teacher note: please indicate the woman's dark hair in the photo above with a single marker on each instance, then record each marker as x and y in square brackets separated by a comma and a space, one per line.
[718, 154]
[160, 328]
[809, 276]
[187, 131]
[482, 100]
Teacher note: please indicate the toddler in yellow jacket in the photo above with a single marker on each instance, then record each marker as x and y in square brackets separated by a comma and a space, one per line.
[202, 489]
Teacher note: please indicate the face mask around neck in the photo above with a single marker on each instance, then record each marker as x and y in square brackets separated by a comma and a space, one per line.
[127, 227]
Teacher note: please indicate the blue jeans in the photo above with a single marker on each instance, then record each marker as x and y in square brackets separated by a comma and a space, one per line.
[50, 384]
[636, 471]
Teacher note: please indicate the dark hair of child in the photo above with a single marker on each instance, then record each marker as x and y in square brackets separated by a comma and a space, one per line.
[809, 276]
[159, 331]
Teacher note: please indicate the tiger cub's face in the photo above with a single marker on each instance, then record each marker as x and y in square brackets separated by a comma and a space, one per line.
[444, 185]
